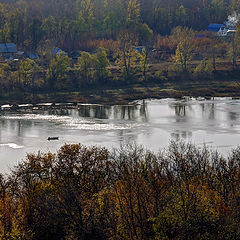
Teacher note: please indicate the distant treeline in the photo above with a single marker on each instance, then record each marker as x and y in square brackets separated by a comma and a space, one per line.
[82, 192]
[37, 24]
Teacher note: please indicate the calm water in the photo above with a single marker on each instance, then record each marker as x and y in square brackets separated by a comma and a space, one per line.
[151, 123]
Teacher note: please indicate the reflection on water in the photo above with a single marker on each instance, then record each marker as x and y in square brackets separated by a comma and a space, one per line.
[148, 122]
[181, 134]
[94, 111]
[127, 112]
[180, 110]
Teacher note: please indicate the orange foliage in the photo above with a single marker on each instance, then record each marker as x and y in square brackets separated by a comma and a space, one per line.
[167, 43]
[92, 45]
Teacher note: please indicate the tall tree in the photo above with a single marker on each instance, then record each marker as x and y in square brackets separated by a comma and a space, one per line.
[59, 66]
[85, 15]
[185, 47]
[101, 64]
[85, 67]
[133, 17]
[127, 55]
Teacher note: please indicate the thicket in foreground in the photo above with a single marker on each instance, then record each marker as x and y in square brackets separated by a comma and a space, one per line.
[129, 193]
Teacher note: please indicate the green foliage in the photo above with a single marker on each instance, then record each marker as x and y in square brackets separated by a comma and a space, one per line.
[71, 22]
[160, 74]
[184, 51]
[204, 69]
[101, 64]
[181, 15]
[216, 10]
[59, 66]
[35, 33]
[133, 17]
[85, 67]
[26, 71]
[145, 33]
[174, 70]
[127, 57]
[5, 33]
[86, 15]
[3, 70]
[49, 27]
[143, 62]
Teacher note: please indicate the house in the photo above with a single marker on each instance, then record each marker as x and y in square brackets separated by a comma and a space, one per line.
[139, 49]
[56, 51]
[33, 56]
[8, 49]
[217, 29]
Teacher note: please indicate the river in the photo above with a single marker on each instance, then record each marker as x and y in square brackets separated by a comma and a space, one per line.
[151, 123]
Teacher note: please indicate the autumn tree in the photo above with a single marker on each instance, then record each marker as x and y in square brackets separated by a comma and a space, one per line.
[101, 64]
[133, 17]
[35, 33]
[85, 67]
[142, 57]
[184, 51]
[28, 70]
[85, 15]
[80, 192]
[115, 14]
[7, 209]
[127, 56]
[203, 69]
[59, 66]
[234, 47]
[49, 27]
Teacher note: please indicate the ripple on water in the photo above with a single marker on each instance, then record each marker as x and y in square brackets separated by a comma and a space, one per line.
[72, 123]
[11, 145]
[36, 117]
[100, 127]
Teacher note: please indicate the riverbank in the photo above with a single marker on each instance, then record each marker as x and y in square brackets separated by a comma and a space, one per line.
[123, 94]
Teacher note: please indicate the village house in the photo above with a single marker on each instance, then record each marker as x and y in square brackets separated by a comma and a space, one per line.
[227, 29]
[8, 50]
[219, 30]
[56, 51]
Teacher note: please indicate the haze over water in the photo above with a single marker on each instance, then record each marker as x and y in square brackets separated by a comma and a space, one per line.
[151, 123]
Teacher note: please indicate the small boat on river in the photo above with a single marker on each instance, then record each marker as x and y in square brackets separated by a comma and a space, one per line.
[52, 138]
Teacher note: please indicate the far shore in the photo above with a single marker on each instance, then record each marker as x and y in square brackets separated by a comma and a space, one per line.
[121, 95]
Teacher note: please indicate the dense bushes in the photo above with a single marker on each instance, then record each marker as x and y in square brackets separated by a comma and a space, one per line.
[128, 193]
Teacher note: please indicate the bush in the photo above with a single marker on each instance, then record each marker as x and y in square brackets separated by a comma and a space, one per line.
[204, 69]
[174, 71]
[160, 75]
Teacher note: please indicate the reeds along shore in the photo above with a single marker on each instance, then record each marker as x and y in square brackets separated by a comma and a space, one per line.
[80, 192]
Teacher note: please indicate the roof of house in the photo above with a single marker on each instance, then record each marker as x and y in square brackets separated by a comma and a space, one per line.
[139, 48]
[8, 48]
[56, 51]
[214, 27]
[33, 56]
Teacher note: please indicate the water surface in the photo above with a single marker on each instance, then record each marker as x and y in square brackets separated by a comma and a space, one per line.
[151, 123]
